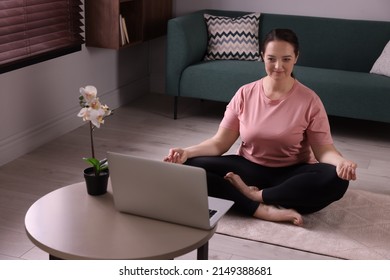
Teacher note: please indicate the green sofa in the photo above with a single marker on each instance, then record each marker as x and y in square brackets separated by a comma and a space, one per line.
[336, 56]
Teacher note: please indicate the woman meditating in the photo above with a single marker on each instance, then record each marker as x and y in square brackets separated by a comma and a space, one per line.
[287, 164]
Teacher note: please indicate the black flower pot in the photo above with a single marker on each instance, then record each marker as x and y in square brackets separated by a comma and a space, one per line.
[96, 185]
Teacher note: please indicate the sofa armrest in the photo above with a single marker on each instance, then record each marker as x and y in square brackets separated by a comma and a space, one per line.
[186, 45]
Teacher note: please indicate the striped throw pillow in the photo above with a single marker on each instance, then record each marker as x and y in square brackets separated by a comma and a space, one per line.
[233, 38]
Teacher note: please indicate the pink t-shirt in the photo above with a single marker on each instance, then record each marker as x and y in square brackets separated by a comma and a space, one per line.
[278, 132]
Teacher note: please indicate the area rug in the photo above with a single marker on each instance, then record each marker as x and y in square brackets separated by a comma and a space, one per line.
[355, 227]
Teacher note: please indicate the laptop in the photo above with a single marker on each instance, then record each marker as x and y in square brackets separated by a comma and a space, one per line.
[164, 191]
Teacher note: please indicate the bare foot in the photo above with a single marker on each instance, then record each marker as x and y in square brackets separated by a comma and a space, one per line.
[251, 192]
[275, 214]
[264, 211]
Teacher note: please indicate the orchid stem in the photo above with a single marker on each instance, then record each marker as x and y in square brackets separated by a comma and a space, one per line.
[91, 137]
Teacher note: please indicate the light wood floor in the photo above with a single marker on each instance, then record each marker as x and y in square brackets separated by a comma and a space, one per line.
[146, 128]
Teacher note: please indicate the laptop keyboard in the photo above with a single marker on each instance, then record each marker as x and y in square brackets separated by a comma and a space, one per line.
[212, 212]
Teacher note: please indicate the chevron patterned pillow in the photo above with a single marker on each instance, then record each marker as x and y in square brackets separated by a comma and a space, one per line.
[233, 38]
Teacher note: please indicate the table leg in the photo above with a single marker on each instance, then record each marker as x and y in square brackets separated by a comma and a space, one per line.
[203, 252]
[53, 258]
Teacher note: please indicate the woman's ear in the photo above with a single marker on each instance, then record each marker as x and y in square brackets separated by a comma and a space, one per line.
[262, 56]
[296, 58]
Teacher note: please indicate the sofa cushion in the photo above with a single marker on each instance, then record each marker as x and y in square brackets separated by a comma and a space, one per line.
[234, 38]
[344, 93]
[382, 65]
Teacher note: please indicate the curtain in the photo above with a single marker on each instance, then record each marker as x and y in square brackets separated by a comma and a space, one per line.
[34, 28]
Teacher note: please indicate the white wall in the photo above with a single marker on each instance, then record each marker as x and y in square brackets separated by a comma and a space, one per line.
[350, 9]
[40, 102]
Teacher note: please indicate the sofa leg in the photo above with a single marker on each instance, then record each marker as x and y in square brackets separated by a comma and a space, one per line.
[175, 104]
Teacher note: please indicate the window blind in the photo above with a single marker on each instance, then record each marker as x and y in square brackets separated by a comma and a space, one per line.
[31, 30]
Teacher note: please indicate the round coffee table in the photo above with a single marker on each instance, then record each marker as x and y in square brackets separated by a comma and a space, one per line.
[70, 224]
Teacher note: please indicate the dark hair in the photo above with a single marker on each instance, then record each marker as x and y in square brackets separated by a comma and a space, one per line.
[280, 34]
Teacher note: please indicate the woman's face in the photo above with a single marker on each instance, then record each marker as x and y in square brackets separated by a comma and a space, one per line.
[279, 59]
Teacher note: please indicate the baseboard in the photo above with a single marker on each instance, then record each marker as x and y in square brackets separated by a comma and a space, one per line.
[21, 143]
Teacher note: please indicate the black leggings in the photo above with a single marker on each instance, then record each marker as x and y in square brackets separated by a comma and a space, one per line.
[307, 188]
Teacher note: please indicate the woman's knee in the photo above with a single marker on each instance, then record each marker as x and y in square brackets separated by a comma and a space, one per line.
[197, 161]
[340, 188]
[332, 181]
[217, 164]
[322, 175]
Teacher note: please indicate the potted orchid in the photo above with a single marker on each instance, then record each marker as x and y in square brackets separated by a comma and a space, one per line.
[94, 112]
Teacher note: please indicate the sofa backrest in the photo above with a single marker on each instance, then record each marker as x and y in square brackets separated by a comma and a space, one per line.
[352, 45]
[344, 44]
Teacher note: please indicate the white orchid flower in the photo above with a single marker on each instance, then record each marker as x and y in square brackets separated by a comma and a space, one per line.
[96, 116]
[107, 110]
[95, 104]
[84, 113]
[89, 93]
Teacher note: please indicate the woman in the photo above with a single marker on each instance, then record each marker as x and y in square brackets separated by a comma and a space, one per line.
[287, 164]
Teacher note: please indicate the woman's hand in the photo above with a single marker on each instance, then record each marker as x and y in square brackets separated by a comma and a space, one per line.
[176, 155]
[346, 170]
